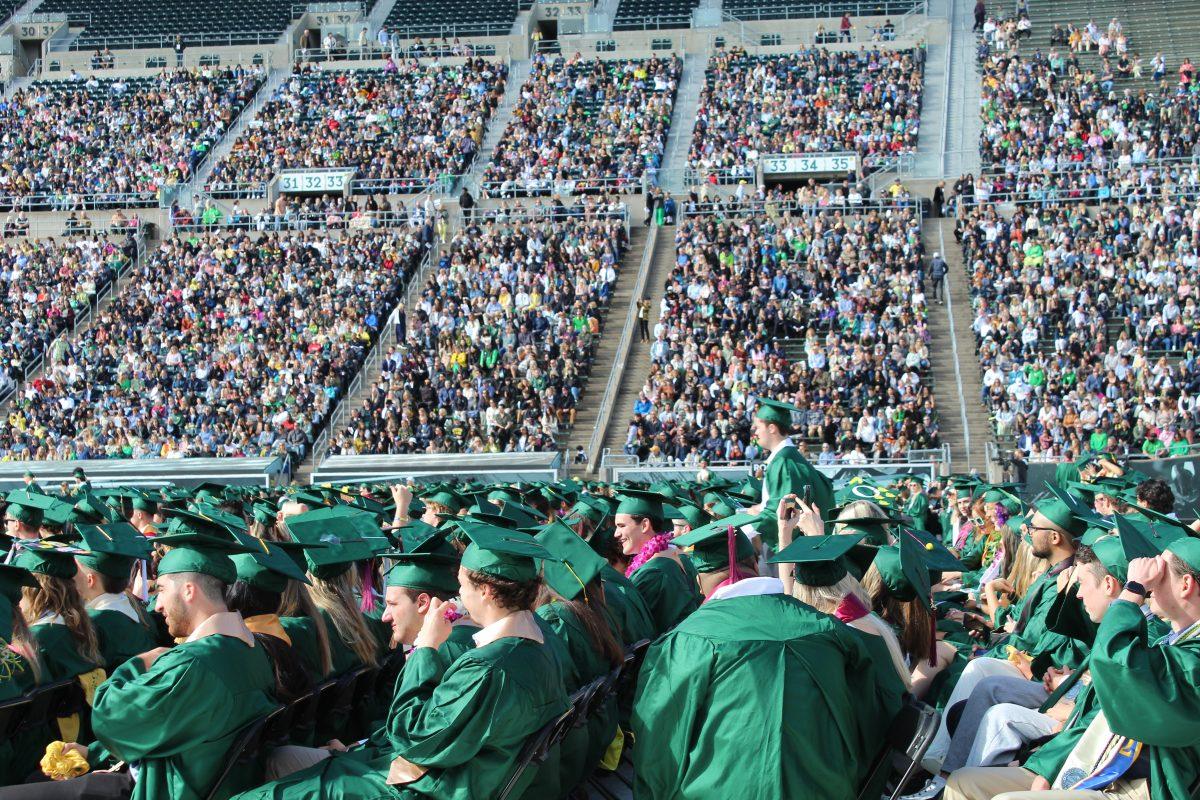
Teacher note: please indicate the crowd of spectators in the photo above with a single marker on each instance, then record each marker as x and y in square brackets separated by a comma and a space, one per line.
[88, 142]
[1055, 130]
[401, 127]
[223, 344]
[585, 125]
[46, 285]
[844, 286]
[1084, 296]
[319, 212]
[812, 101]
[493, 356]
[1086, 321]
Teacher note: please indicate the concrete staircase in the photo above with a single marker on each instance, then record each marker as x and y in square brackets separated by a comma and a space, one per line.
[683, 121]
[518, 73]
[588, 411]
[637, 364]
[964, 422]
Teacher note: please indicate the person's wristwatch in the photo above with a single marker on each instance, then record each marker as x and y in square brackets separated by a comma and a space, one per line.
[1135, 588]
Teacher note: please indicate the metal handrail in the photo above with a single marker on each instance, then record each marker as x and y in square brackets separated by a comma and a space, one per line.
[835, 8]
[166, 42]
[375, 51]
[624, 344]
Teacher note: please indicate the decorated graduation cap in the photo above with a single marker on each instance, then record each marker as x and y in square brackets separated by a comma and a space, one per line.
[720, 545]
[28, 507]
[501, 553]
[267, 566]
[875, 528]
[47, 557]
[345, 534]
[645, 503]
[573, 564]
[818, 559]
[777, 412]
[112, 547]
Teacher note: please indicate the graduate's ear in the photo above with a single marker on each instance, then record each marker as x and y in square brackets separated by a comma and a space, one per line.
[423, 602]
[1112, 586]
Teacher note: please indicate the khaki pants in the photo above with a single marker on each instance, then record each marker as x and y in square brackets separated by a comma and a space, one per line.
[1015, 783]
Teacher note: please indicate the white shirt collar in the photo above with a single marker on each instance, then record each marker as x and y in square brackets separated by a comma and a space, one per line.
[787, 442]
[748, 587]
[520, 624]
[117, 601]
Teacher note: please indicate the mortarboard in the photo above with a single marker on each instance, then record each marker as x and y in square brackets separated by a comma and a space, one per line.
[818, 559]
[344, 532]
[112, 547]
[47, 557]
[777, 412]
[501, 553]
[711, 544]
[267, 567]
[573, 564]
[645, 503]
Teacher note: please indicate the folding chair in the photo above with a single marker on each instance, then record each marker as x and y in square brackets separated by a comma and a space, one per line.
[908, 737]
[245, 753]
[537, 749]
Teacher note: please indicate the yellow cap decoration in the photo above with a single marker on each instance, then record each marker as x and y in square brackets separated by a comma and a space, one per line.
[60, 764]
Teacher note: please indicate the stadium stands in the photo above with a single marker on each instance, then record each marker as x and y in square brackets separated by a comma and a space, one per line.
[451, 18]
[842, 284]
[636, 15]
[815, 100]
[1103, 358]
[585, 125]
[403, 127]
[494, 357]
[802, 9]
[141, 134]
[156, 23]
[46, 283]
[223, 344]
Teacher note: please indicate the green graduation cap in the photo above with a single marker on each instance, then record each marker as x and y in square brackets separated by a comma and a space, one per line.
[1187, 550]
[28, 507]
[775, 411]
[1065, 510]
[423, 572]
[344, 533]
[904, 570]
[47, 557]
[1110, 552]
[875, 528]
[12, 579]
[201, 553]
[818, 559]
[573, 564]
[937, 555]
[501, 553]
[1143, 539]
[231, 521]
[446, 498]
[693, 514]
[267, 567]
[645, 503]
[112, 547]
[711, 543]
[263, 513]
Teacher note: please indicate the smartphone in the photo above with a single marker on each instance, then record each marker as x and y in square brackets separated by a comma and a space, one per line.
[806, 494]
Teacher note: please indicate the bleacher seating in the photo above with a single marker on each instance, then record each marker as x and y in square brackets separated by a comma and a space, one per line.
[142, 133]
[810, 9]
[140, 23]
[451, 18]
[402, 127]
[636, 15]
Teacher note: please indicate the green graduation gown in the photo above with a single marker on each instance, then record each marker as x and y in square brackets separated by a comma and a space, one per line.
[305, 644]
[121, 636]
[669, 590]
[16, 678]
[1035, 637]
[916, 507]
[762, 693]
[60, 656]
[463, 723]
[584, 747]
[627, 607]
[788, 472]
[1149, 692]
[179, 718]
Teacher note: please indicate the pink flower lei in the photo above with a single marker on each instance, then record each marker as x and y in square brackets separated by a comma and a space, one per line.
[649, 550]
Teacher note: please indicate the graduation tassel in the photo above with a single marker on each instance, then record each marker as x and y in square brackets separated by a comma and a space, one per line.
[932, 638]
[735, 574]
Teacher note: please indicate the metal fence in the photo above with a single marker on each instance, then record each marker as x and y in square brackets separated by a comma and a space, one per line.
[148, 41]
[743, 12]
